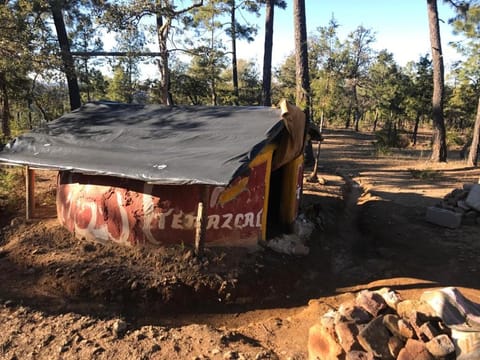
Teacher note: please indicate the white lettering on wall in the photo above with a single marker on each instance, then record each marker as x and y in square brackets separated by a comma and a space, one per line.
[213, 222]
[259, 218]
[238, 221]
[227, 219]
[177, 221]
[249, 219]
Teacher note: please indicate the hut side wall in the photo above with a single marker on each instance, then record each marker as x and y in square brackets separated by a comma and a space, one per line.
[137, 213]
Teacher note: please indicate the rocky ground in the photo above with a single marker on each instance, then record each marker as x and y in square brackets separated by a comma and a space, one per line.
[61, 298]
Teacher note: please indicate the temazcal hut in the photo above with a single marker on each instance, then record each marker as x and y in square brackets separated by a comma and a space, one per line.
[156, 175]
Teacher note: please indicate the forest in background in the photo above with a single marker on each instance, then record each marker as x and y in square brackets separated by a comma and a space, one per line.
[52, 60]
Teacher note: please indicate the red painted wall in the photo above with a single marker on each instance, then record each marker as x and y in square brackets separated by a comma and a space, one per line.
[137, 213]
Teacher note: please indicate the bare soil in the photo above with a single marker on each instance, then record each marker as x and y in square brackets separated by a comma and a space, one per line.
[61, 298]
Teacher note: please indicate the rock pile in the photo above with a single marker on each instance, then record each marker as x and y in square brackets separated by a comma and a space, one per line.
[461, 206]
[380, 325]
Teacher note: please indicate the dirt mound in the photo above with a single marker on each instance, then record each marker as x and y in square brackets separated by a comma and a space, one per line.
[70, 299]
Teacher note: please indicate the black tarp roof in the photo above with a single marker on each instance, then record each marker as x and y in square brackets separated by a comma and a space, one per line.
[153, 143]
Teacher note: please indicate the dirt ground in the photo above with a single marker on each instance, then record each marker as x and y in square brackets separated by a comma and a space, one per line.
[61, 298]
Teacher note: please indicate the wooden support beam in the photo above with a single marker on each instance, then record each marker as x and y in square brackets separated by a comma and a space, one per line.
[29, 192]
[201, 224]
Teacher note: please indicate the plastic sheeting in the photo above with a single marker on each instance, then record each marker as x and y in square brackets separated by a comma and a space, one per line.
[153, 143]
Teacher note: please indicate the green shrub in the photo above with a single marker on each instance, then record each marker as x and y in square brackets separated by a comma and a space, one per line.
[11, 188]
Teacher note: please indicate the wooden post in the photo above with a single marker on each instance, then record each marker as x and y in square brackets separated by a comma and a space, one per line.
[201, 224]
[29, 192]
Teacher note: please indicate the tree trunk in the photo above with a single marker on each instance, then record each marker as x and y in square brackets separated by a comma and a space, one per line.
[375, 121]
[162, 34]
[415, 129]
[302, 95]
[349, 114]
[5, 106]
[439, 148]
[302, 77]
[267, 54]
[233, 29]
[473, 153]
[67, 59]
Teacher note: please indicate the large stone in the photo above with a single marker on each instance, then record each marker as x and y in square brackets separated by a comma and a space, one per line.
[328, 320]
[428, 331]
[462, 204]
[404, 308]
[347, 332]
[374, 338]
[391, 323]
[391, 297]
[398, 327]
[443, 217]
[416, 320]
[414, 350]
[322, 344]
[440, 346]
[371, 301]
[348, 311]
[473, 198]
[395, 344]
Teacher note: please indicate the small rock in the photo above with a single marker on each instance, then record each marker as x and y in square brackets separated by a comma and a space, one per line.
[328, 321]
[63, 348]
[440, 346]
[395, 344]
[359, 355]
[347, 335]
[473, 198]
[155, 348]
[48, 340]
[414, 350]
[134, 285]
[374, 338]
[463, 205]
[428, 331]
[119, 327]
[370, 301]
[391, 322]
[231, 355]
[215, 351]
[405, 329]
[404, 308]
[266, 355]
[443, 217]
[98, 349]
[15, 222]
[351, 312]
[416, 319]
[392, 298]
[89, 247]
[397, 326]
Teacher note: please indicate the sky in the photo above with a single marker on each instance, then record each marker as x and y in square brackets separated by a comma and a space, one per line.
[400, 26]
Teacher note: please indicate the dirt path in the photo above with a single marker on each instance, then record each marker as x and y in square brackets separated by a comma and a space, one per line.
[66, 299]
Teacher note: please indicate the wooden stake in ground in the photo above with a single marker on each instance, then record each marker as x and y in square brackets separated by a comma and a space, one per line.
[201, 224]
[29, 192]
